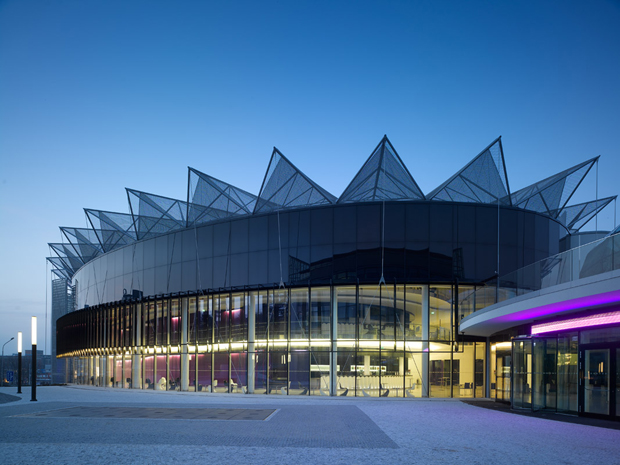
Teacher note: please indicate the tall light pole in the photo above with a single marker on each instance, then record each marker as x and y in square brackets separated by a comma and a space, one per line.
[3, 359]
[19, 362]
[33, 381]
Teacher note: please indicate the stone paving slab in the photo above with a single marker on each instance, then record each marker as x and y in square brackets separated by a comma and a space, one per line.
[301, 426]
[158, 413]
[6, 398]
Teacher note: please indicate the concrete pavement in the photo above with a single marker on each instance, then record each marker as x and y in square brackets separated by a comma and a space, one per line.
[75, 424]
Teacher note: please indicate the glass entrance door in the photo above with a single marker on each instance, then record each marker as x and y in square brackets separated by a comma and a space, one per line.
[596, 395]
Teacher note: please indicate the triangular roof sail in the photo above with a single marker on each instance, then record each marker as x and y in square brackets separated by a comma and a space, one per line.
[553, 193]
[114, 229]
[482, 180]
[67, 255]
[61, 274]
[210, 199]
[383, 176]
[574, 217]
[169, 213]
[60, 269]
[84, 241]
[285, 186]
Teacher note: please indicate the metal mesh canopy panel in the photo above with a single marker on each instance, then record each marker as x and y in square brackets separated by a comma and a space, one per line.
[170, 214]
[114, 229]
[68, 256]
[60, 269]
[62, 274]
[384, 176]
[553, 193]
[285, 186]
[211, 199]
[84, 241]
[482, 180]
[575, 217]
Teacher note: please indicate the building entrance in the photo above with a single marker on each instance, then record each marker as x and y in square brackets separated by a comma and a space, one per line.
[599, 390]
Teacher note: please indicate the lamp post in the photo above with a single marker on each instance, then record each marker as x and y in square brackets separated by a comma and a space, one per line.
[19, 362]
[33, 381]
[3, 359]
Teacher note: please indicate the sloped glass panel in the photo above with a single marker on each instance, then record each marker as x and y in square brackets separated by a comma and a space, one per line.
[482, 180]
[383, 176]
[285, 186]
[553, 193]
[575, 217]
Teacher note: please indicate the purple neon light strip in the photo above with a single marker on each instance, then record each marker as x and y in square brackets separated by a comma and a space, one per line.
[574, 323]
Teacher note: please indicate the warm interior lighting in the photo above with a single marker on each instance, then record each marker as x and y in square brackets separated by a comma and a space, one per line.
[501, 346]
[19, 342]
[34, 330]
[575, 323]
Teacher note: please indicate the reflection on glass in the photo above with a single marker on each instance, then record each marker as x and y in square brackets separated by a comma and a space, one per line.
[175, 322]
[192, 372]
[568, 381]
[440, 318]
[238, 371]
[278, 313]
[161, 373]
[260, 372]
[368, 369]
[320, 312]
[174, 370]
[299, 313]
[191, 324]
[203, 376]
[369, 315]
[238, 318]
[299, 375]
[127, 372]
[278, 373]
[413, 374]
[345, 298]
[463, 371]
[221, 380]
[596, 381]
[204, 317]
[319, 372]
[480, 367]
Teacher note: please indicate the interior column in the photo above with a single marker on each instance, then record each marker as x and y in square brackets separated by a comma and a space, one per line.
[333, 355]
[252, 341]
[184, 354]
[425, 336]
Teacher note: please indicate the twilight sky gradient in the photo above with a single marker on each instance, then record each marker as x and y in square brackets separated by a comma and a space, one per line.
[101, 95]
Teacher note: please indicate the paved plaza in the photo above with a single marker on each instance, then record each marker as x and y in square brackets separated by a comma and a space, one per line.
[77, 424]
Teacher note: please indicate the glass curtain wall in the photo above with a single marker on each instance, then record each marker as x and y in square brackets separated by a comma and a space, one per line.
[391, 340]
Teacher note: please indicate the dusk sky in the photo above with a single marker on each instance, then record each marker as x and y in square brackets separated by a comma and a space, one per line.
[97, 96]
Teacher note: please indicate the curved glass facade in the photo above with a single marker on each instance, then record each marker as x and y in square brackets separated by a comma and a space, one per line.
[352, 300]
[406, 241]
